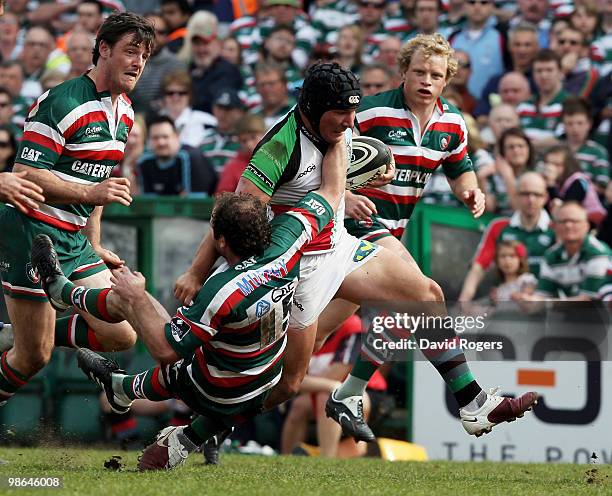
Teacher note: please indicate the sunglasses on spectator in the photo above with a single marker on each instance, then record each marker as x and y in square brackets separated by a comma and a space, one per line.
[531, 193]
[5, 104]
[176, 92]
[5, 144]
[374, 5]
[481, 2]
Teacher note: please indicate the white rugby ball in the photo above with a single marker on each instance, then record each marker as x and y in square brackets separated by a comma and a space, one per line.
[370, 159]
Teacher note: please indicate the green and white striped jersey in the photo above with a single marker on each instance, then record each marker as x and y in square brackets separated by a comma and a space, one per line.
[594, 161]
[581, 274]
[73, 131]
[542, 122]
[417, 154]
[235, 331]
[219, 148]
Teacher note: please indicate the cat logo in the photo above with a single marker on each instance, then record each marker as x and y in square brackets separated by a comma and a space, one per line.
[444, 142]
[364, 250]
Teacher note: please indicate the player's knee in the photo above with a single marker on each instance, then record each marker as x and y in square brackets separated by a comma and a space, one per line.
[38, 357]
[123, 338]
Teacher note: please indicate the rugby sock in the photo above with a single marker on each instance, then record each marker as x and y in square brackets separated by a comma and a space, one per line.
[449, 360]
[74, 332]
[10, 379]
[202, 428]
[90, 300]
[145, 385]
[357, 381]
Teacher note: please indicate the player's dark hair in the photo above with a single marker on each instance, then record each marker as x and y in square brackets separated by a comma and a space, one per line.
[117, 25]
[243, 221]
[517, 132]
[96, 3]
[160, 119]
[547, 55]
[183, 5]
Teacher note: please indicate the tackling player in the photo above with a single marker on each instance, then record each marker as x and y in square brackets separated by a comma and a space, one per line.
[73, 137]
[222, 355]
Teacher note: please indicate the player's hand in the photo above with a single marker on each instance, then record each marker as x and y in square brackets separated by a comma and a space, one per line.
[186, 288]
[385, 178]
[112, 190]
[358, 207]
[109, 258]
[20, 192]
[474, 200]
[130, 286]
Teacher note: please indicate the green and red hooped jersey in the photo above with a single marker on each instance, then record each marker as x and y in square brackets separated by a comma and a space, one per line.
[386, 117]
[235, 331]
[73, 131]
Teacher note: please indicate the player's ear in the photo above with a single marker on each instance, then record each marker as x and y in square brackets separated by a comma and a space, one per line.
[104, 49]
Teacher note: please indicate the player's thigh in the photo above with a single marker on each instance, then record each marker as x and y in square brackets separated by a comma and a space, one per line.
[121, 334]
[387, 277]
[33, 327]
[334, 315]
[396, 246]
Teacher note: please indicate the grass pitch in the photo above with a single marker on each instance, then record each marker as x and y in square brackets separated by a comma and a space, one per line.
[83, 473]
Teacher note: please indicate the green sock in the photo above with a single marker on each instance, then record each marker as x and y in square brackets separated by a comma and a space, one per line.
[145, 385]
[74, 332]
[203, 428]
[357, 382]
[90, 300]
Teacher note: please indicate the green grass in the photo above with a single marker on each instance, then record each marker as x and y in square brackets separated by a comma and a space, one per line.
[83, 473]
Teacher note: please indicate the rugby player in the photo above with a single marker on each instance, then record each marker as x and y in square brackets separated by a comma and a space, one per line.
[73, 137]
[18, 191]
[424, 132]
[224, 354]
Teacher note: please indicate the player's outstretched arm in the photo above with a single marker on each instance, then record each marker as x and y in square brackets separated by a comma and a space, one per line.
[20, 192]
[333, 175]
[465, 188]
[56, 190]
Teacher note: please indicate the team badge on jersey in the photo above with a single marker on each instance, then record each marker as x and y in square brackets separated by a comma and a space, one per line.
[179, 328]
[364, 249]
[444, 141]
[262, 308]
[32, 273]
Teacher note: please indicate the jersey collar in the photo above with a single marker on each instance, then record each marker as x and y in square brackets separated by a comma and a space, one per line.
[542, 225]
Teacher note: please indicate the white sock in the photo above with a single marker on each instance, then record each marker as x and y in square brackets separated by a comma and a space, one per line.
[352, 386]
[117, 382]
[477, 402]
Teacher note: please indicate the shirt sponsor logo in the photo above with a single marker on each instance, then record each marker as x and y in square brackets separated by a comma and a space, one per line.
[316, 206]
[92, 169]
[412, 175]
[279, 293]
[246, 264]
[179, 328]
[398, 134]
[353, 99]
[30, 154]
[93, 132]
[255, 278]
[262, 308]
[260, 175]
[307, 171]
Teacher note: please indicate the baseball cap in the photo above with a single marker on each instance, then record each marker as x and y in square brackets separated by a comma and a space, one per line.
[228, 98]
[203, 25]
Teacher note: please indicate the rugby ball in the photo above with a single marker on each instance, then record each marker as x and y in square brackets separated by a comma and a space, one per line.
[370, 159]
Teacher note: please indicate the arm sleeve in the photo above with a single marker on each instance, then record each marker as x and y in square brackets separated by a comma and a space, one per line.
[547, 286]
[313, 213]
[595, 276]
[43, 139]
[458, 162]
[268, 164]
[186, 331]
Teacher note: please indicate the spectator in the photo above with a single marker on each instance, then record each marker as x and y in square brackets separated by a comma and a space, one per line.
[512, 271]
[6, 113]
[541, 115]
[400, 18]
[231, 51]
[604, 232]
[347, 51]
[567, 182]
[89, 18]
[221, 144]
[37, 47]
[176, 14]
[147, 95]
[210, 73]
[176, 103]
[12, 78]
[502, 117]
[529, 224]
[426, 16]
[8, 149]
[585, 18]
[50, 79]
[79, 48]
[514, 89]
[371, 22]
[592, 157]
[460, 82]
[602, 47]
[454, 17]
[134, 148]
[601, 98]
[376, 78]
[10, 48]
[172, 169]
[557, 26]
[515, 157]
[579, 75]
[523, 47]
[277, 49]
[535, 12]
[388, 53]
[575, 268]
[271, 84]
[250, 130]
[480, 36]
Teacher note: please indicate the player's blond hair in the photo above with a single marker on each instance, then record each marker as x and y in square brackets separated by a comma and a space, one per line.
[429, 45]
